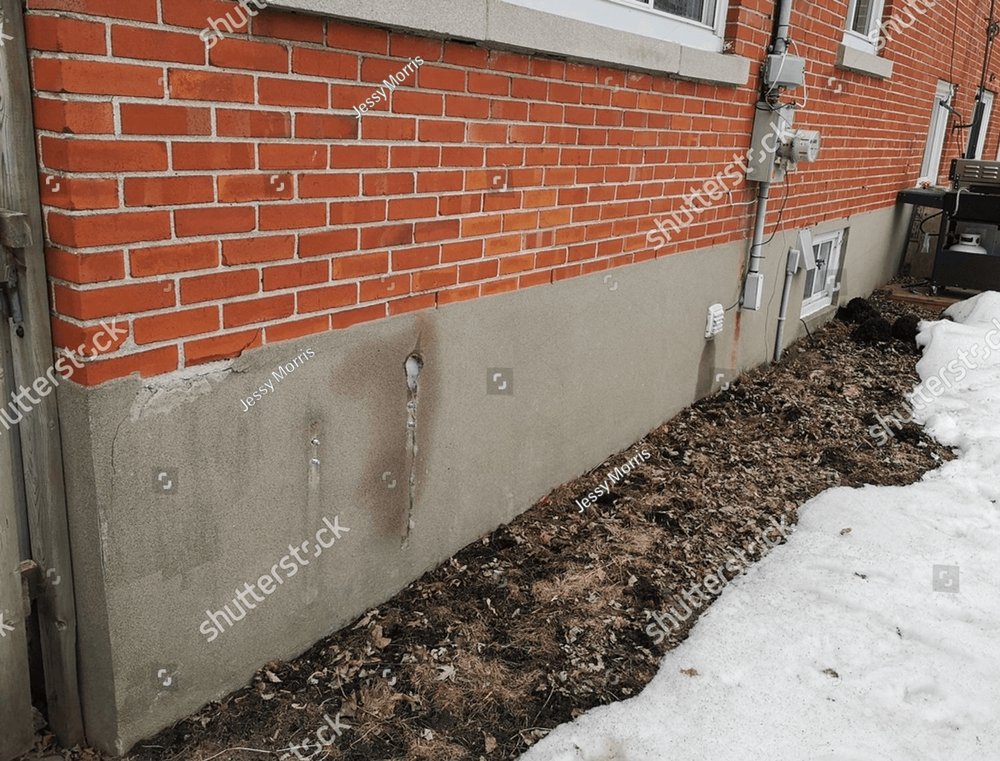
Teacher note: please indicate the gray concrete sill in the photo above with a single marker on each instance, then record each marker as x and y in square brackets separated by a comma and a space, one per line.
[857, 60]
[518, 28]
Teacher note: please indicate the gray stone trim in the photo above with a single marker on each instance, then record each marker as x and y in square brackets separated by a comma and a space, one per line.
[506, 25]
[866, 63]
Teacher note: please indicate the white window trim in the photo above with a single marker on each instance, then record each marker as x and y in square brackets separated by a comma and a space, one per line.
[865, 43]
[824, 298]
[516, 26]
[990, 99]
[937, 132]
[629, 16]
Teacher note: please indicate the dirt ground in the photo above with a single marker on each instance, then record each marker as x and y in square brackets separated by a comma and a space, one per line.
[545, 618]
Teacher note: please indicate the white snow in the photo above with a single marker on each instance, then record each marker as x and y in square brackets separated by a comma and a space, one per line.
[915, 671]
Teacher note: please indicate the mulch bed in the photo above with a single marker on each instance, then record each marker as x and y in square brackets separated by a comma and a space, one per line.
[545, 618]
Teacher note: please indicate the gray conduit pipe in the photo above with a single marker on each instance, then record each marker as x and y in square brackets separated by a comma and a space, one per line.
[791, 267]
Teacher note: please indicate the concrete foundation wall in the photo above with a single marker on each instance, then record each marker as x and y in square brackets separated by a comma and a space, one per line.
[597, 362]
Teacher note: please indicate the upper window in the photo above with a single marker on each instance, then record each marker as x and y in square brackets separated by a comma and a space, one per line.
[864, 25]
[695, 23]
[702, 11]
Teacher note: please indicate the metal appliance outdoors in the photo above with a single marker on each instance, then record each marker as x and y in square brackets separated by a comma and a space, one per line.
[971, 205]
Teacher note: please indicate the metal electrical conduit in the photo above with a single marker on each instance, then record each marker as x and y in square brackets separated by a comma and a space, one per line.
[779, 46]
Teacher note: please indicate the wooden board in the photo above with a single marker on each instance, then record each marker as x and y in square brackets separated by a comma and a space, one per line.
[922, 296]
[41, 446]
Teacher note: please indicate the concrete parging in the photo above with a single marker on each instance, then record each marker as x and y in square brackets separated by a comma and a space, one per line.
[181, 494]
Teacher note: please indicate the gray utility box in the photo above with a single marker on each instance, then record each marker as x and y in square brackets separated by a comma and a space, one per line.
[769, 125]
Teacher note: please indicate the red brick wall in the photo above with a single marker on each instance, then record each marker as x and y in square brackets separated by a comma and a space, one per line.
[220, 199]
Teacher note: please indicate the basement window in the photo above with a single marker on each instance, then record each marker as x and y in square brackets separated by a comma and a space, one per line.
[696, 23]
[822, 281]
[864, 22]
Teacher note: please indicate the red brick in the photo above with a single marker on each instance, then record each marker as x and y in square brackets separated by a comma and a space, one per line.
[412, 304]
[85, 268]
[465, 54]
[406, 45]
[217, 348]
[96, 78]
[83, 340]
[412, 208]
[462, 250]
[426, 104]
[150, 119]
[292, 216]
[353, 212]
[326, 127]
[235, 53]
[215, 220]
[425, 232]
[429, 280]
[356, 316]
[385, 184]
[499, 286]
[247, 123]
[413, 258]
[210, 86]
[65, 35]
[440, 78]
[325, 63]
[240, 313]
[332, 242]
[103, 155]
[332, 185]
[168, 191]
[330, 297]
[167, 260]
[176, 324]
[240, 188]
[74, 118]
[387, 235]
[221, 285]
[489, 84]
[79, 193]
[478, 271]
[289, 331]
[147, 364]
[359, 156]
[433, 131]
[385, 287]
[362, 265]
[291, 156]
[107, 229]
[257, 249]
[388, 128]
[213, 155]
[365, 39]
[290, 26]
[156, 45]
[196, 13]
[95, 303]
[455, 295]
[292, 275]
[290, 92]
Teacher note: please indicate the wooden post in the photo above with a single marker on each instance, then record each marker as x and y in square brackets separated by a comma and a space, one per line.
[31, 344]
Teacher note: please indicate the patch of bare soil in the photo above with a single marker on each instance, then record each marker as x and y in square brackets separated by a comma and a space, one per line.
[545, 618]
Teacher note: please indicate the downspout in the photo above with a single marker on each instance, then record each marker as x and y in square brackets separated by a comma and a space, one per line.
[779, 46]
[791, 267]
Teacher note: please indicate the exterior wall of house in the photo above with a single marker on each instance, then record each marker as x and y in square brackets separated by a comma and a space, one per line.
[223, 204]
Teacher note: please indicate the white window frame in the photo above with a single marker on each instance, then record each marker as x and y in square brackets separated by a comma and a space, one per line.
[867, 43]
[937, 132]
[984, 130]
[822, 299]
[639, 17]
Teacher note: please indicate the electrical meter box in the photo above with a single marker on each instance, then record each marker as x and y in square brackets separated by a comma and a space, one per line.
[788, 71]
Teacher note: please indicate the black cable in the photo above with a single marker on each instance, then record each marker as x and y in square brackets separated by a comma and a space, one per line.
[928, 219]
[781, 212]
[806, 326]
